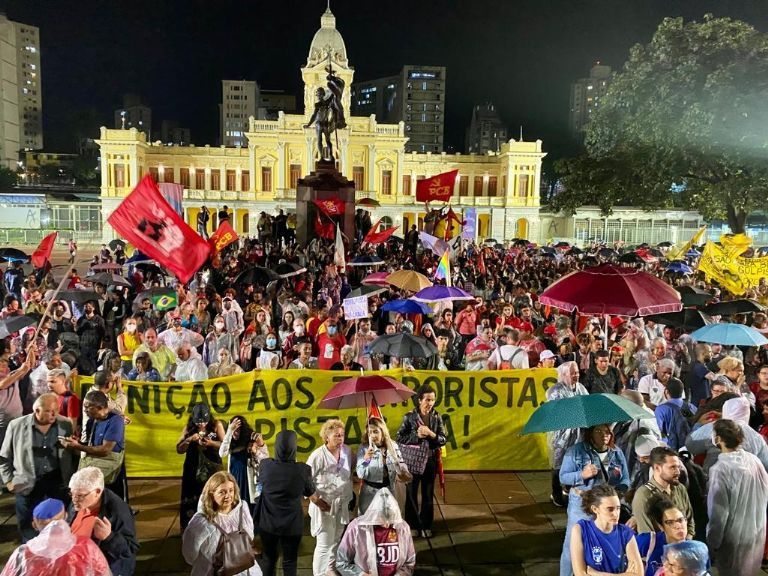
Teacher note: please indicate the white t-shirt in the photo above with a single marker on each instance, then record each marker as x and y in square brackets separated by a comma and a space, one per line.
[504, 353]
[648, 384]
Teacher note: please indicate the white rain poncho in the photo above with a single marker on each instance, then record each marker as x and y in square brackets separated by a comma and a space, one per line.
[738, 496]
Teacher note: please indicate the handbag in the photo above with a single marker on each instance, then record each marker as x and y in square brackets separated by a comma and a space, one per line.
[205, 467]
[110, 465]
[415, 456]
[235, 552]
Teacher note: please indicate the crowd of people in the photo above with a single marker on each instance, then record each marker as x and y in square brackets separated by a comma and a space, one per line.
[694, 468]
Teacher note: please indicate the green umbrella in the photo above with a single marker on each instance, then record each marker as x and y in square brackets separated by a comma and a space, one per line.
[583, 412]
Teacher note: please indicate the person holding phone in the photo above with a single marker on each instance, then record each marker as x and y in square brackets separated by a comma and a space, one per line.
[246, 449]
[380, 465]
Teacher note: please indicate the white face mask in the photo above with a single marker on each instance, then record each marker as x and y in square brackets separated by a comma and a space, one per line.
[219, 325]
[298, 330]
[130, 327]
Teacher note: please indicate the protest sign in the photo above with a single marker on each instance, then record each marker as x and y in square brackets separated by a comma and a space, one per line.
[483, 412]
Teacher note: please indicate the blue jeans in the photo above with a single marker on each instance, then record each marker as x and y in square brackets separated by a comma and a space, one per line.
[48, 486]
[575, 513]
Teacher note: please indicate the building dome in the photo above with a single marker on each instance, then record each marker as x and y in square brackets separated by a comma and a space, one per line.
[327, 39]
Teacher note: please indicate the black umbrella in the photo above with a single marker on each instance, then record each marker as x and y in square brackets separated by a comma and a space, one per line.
[693, 296]
[117, 243]
[688, 319]
[14, 324]
[108, 279]
[366, 261]
[547, 250]
[78, 296]
[13, 255]
[631, 258]
[664, 245]
[256, 275]
[575, 251]
[656, 252]
[607, 253]
[148, 268]
[730, 307]
[519, 242]
[288, 269]
[403, 345]
[562, 245]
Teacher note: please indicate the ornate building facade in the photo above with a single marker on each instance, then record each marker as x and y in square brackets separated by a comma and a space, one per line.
[501, 188]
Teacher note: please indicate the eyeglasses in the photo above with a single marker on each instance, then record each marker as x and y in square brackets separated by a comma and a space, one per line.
[676, 522]
[80, 495]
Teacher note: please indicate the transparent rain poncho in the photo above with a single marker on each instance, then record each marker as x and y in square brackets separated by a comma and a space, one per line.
[383, 510]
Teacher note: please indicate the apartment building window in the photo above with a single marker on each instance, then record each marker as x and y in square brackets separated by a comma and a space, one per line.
[245, 181]
[463, 185]
[154, 173]
[231, 180]
[407, 185]
[266, 179]
[478, 186]
[492, 187]
[168, 175]
[358, 175]
[295, 175]
[386, 182]
[199, 180]
[215, 180]
[184, 177]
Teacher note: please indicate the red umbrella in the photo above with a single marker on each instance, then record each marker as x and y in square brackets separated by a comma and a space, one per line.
[376, 279]
[610, 289]
[356, 392]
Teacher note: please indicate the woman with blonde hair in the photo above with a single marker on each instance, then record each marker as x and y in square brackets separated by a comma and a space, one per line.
[330, 506]
[380, 465]
[221, 512]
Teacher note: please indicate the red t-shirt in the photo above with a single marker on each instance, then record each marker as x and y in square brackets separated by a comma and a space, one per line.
[69, 406]
[329, 350]
[387, 550]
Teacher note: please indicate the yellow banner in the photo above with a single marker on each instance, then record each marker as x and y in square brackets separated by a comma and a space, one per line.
[678, 252]
[483, 412]
[734, 273]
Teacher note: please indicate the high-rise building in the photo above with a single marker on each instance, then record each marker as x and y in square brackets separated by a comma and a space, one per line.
[586, 94]
[238, 103]
[134, 114]
[272, 102]
[416, 97]
[486, 132]
[21, 105]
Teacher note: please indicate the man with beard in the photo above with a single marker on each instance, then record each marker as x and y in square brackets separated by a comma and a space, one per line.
[603, 378]
[91, 330]
[665, 479]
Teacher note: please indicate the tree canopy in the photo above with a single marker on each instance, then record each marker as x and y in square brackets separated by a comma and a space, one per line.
[689, 108]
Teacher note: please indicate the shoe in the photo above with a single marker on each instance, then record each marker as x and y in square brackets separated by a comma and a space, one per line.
[415, 533]
[555, 502]
[427, 533]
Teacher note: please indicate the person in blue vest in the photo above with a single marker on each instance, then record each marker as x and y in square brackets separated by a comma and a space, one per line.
[671, 527]
[588, 464]
[601, 545]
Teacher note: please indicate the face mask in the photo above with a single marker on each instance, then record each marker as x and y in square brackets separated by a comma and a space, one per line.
[298, 330]
[130, 327]
[271, 342]
[219, 325]
[332, 330]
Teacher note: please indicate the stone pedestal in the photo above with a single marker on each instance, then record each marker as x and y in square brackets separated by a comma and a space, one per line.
[323, 183]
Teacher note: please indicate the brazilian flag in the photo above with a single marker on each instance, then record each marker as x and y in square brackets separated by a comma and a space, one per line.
[164, 302]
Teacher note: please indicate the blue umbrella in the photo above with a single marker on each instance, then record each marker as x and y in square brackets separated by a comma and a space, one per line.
[729, 335]
[692, 253]
[678, 267]
[138, 257]
[406, 307]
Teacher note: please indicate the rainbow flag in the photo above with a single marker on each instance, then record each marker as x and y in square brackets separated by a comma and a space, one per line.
[444, 268]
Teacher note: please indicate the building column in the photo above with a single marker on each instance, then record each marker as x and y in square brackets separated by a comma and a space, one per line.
[252, 168]
[399, 173]
[371, 167]
[207, 178]
[280, 167]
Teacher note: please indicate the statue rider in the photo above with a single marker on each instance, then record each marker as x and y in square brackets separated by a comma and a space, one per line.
[328, 115]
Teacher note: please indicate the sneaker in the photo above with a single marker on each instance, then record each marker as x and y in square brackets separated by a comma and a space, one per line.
[555, 502]
[427, 533]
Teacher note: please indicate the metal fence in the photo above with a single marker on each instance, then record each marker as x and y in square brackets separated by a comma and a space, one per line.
[21, 236]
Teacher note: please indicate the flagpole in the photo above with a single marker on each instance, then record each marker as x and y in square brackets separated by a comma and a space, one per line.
[53, 298]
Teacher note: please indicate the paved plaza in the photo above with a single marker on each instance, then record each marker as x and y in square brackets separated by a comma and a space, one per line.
[493, 524]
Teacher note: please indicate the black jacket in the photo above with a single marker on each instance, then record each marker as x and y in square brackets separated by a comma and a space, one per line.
[284, 481]
[407, 432]
[121, 546]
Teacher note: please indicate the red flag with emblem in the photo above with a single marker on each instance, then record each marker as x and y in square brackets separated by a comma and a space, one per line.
[331, 206]
[374, 237]
[223, 237]
[438, 187]
[43, 252]
[146, 220]
[324, 230]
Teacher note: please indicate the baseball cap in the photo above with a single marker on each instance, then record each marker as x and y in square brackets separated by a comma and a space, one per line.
[550, 330]
[525, 327]
[546, 354]
[645, 443]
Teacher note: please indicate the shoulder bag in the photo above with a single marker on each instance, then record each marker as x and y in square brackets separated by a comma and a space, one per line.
[235, 552]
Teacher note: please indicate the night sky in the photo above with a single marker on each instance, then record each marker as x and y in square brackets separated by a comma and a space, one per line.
[519, 54]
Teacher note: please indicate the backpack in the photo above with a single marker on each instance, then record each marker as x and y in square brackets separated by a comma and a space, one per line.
[507, 364]
[679, 425]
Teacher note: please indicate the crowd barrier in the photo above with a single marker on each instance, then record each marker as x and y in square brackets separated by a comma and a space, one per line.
[483, 412]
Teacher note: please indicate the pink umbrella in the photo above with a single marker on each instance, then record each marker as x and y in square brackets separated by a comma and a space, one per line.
[376, 279]
[610, 289]
[356, 392]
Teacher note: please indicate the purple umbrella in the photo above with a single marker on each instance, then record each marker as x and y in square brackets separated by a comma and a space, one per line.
[441, 293]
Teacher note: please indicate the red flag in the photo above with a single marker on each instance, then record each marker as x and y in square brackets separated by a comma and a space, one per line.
[147, 221]
[373, 410]
[330, 207]
[481, 263]
[223, 237]
[374, 237]
[438, 187]
[324, 230]
[43, 252]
